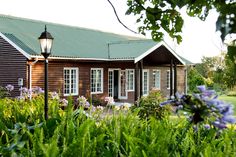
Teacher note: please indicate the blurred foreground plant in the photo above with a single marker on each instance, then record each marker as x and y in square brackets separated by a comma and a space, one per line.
[204, 108]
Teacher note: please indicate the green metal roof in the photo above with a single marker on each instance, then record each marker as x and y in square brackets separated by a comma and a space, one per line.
[129, 49]
[68, 41]
[73, 42]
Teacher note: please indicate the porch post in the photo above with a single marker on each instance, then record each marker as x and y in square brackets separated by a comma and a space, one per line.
[137, 83]
[171, 77]
[141, 78]
[175, 78]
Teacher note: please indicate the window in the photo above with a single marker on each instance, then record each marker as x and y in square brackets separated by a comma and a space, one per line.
[96, 80]
[168, 79]
[130, 79]
[70, 81]
[145, 82]
[157, 79]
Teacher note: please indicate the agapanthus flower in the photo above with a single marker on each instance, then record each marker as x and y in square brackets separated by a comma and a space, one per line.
[24, 90]
[38, 90]
[207, 126]
[82, 101]
[109, 100]
[64, 102]
[55, 95]
[205, 106]
[9, 87]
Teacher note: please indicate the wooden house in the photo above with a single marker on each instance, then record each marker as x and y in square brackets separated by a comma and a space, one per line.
[88, 62]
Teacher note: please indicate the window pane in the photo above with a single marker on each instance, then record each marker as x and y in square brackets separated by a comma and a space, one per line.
[70, 81]
[96, 80]
[156, 79]
[130, 79]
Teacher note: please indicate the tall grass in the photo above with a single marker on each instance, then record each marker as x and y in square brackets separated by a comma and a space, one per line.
[73, 133]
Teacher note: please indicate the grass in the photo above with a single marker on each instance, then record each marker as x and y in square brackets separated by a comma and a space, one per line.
[230, 99]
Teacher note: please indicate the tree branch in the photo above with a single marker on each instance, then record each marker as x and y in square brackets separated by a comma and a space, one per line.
[114, 9]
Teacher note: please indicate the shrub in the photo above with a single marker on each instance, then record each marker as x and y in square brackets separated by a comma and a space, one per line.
[231, 93]
[150, 106]
[3, 92]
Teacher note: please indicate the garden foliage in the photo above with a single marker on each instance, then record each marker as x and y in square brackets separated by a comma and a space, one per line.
[75, 132]
[149, 106]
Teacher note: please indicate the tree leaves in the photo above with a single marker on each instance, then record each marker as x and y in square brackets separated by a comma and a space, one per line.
[164, 16]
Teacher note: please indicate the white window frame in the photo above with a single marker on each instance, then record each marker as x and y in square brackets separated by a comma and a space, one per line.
[130, 83]
[168, 79]
[147, 71]
[110, 82]
[154, 79]
[96, 91]
[77, 81]
[125, 84]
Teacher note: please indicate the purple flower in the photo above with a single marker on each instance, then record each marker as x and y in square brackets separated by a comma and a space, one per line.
[166, 102]
[229, 118]
[38, 90]
[10, 87]
[201, 88]
[87, 105]
[24, 90]
[219, 125]
[207, 126]
[208, 93]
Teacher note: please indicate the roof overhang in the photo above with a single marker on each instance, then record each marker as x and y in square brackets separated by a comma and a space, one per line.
[162, 43]
[78, 58]
[15, 46]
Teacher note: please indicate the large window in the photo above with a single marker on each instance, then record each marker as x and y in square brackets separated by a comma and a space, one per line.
[168, 79]
[96, 80]
[70, 81]
[145, 82]
[157, 79]
[130, 79]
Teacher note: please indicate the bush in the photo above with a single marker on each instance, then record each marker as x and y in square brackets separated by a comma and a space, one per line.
[3, 92]
[149, 106]
[231, 93]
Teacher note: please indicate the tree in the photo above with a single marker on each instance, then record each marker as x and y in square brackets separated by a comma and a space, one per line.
[229, 72]
[194, 79]
[209, 65]
[160, 16]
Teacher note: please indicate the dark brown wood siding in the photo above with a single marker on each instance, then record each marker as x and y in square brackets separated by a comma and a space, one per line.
[12, 66]
[56, 80]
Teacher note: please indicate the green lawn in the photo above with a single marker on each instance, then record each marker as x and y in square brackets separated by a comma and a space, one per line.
[231, 99]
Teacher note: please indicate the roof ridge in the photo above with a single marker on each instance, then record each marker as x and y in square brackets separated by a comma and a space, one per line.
[64, 25]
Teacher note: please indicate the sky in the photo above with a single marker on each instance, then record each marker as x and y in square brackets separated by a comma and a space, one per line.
[199, 38]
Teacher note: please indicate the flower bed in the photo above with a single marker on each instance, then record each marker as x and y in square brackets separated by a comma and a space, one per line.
[76, 132]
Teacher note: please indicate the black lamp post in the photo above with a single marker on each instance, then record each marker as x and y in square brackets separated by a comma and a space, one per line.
[46, 41]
